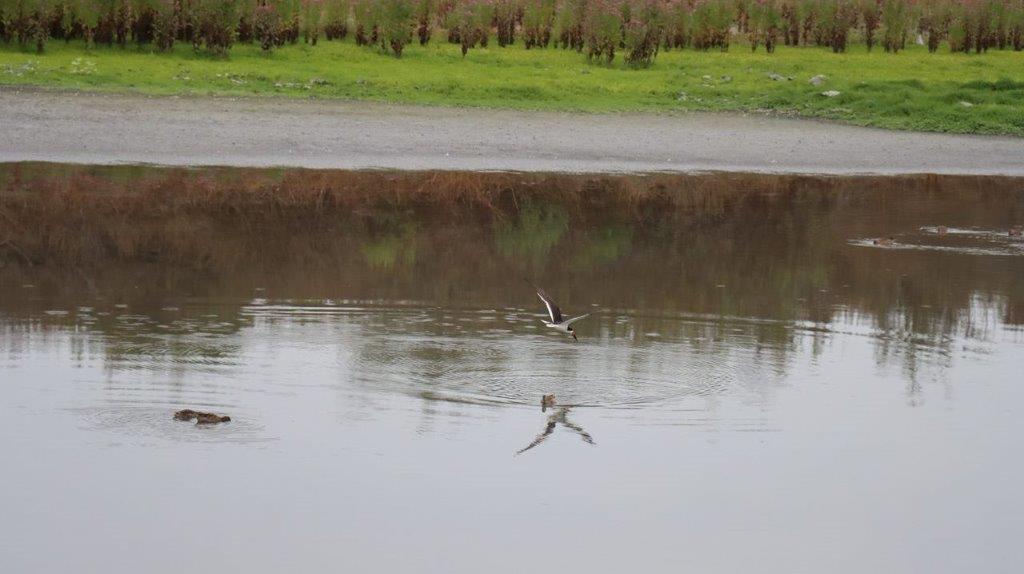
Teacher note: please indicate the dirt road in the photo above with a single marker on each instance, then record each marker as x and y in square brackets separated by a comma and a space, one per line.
[106, 129]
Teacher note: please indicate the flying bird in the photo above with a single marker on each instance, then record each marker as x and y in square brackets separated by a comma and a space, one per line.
[557, 321]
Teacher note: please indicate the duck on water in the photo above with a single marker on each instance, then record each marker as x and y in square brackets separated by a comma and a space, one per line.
[201, 418]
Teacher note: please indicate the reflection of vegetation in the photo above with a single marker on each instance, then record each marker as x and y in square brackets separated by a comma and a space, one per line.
[532, 236]
[606, 246]
[391, 250]
[748, 246]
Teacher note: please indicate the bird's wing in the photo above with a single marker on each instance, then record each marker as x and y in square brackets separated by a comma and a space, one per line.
[579, 430]
[553, 310]
[548, 429]
[574, 319]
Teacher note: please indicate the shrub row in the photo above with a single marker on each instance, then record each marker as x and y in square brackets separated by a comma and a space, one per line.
[599, 28]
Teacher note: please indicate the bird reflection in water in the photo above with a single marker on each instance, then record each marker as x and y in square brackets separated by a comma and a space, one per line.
[559, 416]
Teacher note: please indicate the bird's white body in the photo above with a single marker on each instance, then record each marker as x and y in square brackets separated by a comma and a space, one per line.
[564, 325]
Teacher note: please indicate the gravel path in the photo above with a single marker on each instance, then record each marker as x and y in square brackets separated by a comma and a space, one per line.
[106, 129]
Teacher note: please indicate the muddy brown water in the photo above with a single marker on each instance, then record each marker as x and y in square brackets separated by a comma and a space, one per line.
[758, 387]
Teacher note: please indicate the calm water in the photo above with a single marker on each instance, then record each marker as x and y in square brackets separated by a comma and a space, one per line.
[759, 388]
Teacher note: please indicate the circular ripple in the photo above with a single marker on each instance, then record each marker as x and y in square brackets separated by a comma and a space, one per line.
[518, 363]
[143, 421]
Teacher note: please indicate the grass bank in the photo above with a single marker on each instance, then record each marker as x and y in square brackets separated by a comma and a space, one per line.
[911, 90]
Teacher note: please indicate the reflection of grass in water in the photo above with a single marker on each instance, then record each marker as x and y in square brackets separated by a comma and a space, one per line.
[606, 246]
[395, 249]
[532, 236]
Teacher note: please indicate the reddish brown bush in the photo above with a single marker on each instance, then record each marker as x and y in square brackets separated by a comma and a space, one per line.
[538, 20]
[642, 33]
[267, 27]
[506, 14]
[602, 29]
[336, 14]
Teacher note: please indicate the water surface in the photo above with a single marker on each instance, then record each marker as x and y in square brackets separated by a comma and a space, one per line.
[759, 386]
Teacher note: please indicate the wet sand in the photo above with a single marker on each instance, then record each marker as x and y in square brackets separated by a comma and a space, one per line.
[115, 129]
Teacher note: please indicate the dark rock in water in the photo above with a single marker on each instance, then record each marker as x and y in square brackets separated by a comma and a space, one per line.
[199, 417]
[885, 241]
[1017, 231]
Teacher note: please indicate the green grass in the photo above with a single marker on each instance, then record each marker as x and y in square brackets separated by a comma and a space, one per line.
[910, 90]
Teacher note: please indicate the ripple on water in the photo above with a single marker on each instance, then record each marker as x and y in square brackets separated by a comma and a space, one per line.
[625, 360]
[965, 241]
[148, 421]
[496, 368]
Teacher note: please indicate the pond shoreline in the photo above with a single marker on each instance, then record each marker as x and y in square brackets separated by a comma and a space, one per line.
[110, 129]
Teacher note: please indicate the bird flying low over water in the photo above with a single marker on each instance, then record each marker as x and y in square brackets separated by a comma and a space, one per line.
[557, 321]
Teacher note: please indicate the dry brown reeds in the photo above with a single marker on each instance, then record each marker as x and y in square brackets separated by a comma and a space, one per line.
[55, 215]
